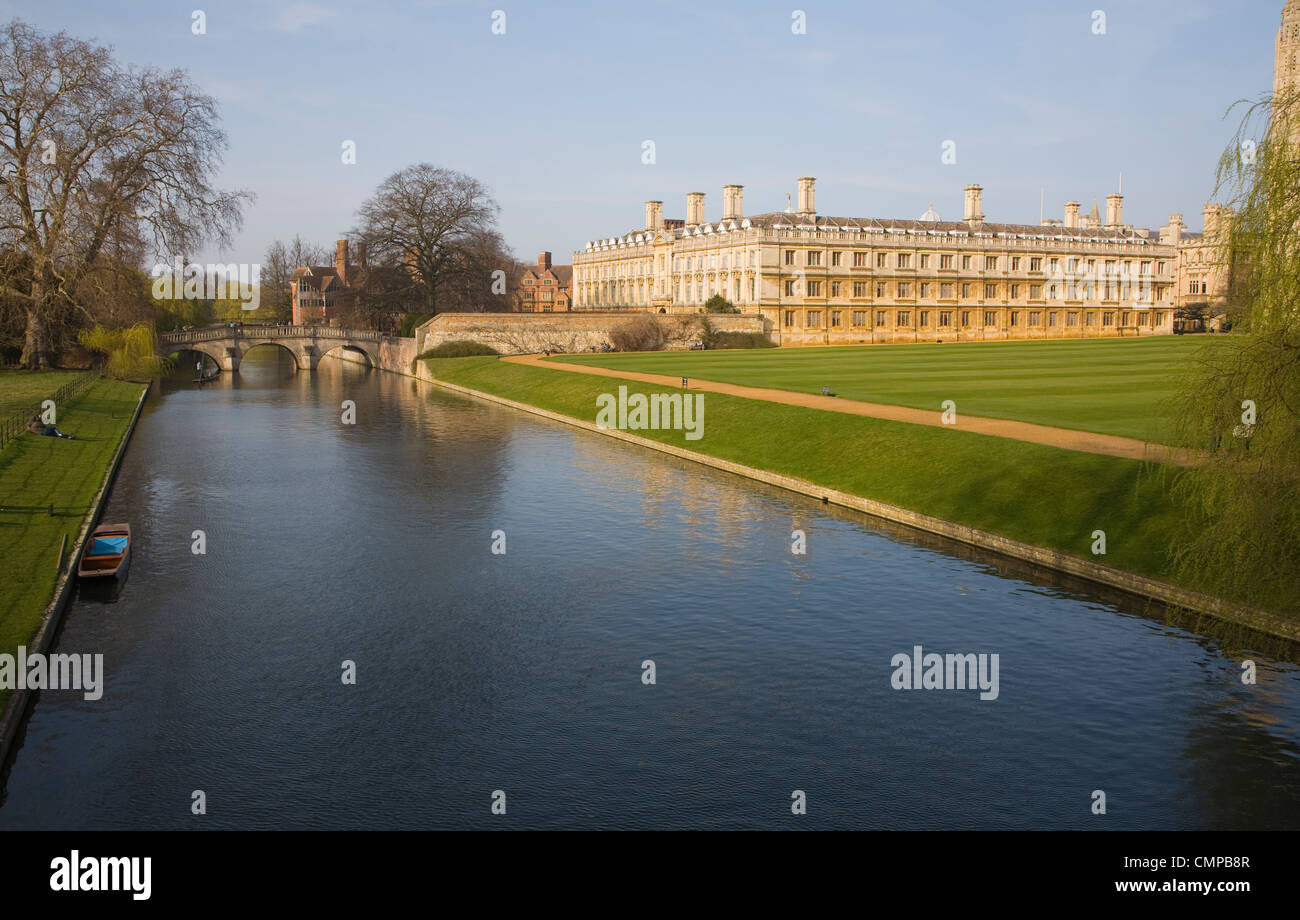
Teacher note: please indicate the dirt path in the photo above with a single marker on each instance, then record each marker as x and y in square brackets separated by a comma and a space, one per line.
[1068, 438]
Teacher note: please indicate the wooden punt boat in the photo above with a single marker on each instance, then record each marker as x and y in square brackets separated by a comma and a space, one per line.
[106, 551]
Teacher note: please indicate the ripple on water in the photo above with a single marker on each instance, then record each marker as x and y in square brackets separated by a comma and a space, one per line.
[523, 672]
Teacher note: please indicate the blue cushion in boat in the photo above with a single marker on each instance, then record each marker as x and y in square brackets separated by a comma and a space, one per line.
[108, 546]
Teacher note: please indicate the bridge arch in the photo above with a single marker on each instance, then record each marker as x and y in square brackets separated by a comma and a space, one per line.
[350, 351]
[213, 351]
[245, 345]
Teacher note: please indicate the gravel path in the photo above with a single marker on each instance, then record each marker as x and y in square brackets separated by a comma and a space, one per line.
[1068, 438]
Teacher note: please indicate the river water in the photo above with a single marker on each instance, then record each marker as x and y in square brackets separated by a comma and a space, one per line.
[522, 673]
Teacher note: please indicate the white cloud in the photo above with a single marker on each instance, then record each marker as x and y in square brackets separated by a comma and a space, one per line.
[300, 15]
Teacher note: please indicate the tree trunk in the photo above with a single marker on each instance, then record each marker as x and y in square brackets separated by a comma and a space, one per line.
[38, 349]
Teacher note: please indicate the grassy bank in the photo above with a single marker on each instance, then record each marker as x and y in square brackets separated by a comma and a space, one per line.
[37, 472]
[1041, 495]
[24, 389]
[1110, 386]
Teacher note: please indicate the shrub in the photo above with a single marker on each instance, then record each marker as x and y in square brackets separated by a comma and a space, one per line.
[410, 321]
[642, 333]
[719, 304]
[708, 334]
[457, 348]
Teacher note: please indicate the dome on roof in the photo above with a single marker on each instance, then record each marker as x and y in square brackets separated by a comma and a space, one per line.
[931, 214]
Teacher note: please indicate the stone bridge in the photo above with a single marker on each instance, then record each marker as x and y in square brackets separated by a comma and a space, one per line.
[308, 344]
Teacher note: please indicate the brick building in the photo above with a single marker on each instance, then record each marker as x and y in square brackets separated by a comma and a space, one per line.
[544, 288]
[321, 293]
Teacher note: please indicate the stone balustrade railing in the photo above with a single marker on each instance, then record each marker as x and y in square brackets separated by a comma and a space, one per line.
[269, 332]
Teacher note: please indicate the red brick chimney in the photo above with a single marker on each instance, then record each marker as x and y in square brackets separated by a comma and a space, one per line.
[361, 254]
[543, 261]
[341, 260]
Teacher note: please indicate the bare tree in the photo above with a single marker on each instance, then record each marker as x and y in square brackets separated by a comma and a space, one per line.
[383, 294]
[426, 219]
[277, 272]
[299, 254]
[481, 276]
[90, 148]
[278, 266]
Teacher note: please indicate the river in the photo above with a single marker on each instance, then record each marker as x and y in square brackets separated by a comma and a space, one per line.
[522, 672]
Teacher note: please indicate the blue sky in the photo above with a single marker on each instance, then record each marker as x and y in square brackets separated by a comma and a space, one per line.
[551, 115]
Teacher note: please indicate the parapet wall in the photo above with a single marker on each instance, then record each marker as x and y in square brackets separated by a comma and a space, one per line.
[396, 354]
[532, 333]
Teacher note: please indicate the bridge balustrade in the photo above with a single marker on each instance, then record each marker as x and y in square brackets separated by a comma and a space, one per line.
[270, 332]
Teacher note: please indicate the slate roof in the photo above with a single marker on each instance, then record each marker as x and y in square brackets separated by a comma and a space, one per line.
[940, 228]
[782, 220]
[316, 278]
[563, 274]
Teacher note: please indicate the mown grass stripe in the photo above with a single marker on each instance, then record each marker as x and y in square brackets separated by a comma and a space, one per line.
[1109, 386]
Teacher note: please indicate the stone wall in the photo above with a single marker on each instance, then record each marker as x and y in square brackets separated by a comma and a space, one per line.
[396, 355]
[532, 333]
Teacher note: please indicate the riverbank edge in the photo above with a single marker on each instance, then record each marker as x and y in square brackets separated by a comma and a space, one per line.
[20, 702]
[1137, 585]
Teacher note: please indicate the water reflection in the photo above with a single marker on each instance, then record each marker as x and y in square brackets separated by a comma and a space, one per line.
[371, 542]
[102, 590]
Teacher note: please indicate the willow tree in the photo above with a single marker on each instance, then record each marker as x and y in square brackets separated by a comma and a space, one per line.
[1240, 402]
[129, 354]
[92, 150]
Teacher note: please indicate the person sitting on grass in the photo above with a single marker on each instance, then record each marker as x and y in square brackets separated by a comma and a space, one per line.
[36, 426]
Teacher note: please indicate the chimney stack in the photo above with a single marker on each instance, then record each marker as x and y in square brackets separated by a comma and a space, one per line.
[543, 261]
[1072, 215]
[654, 215]
[1210, 227]
[731, 202]
[974, 204]
[361, 254]
[807, 203]
[1114, 210]
[341, 260]
[694, 208]
[1172, 232]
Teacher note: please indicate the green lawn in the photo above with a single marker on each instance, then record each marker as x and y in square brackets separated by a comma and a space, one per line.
[1042, 495]
[22, 389]
[37, 471]
[1111, 386]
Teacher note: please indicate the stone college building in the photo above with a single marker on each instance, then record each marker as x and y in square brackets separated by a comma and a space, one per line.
[845, 280]
[817, 279]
